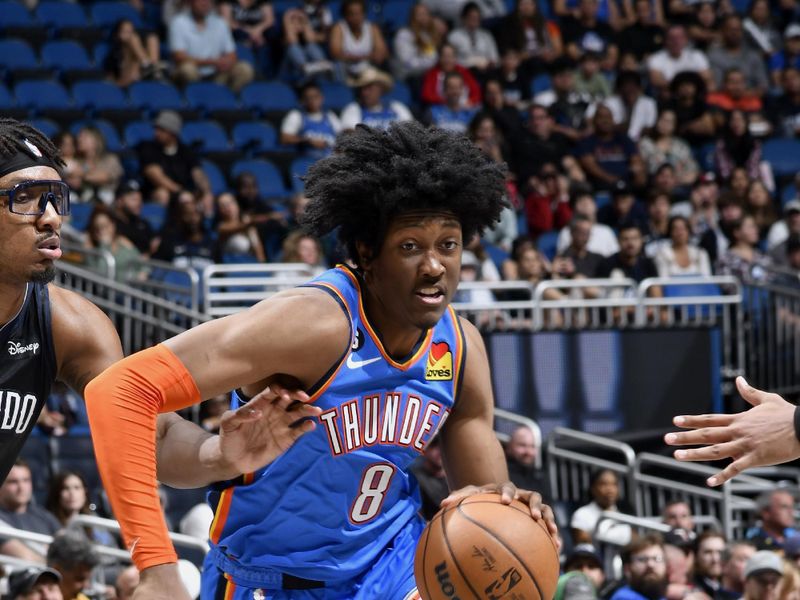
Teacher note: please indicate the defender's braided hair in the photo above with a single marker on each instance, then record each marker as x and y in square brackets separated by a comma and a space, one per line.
[12, 136]
[374, 175]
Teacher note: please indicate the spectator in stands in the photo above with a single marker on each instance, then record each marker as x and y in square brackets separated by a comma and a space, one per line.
[678, 515]
[734, 560]
[737, 148]
[102, 234]
[237, 236]
[776, 513]
[187, 243]
[733, 53]
[709, 548]
[72, 172]
[202, 47]
[586, 521]
[623, 208]
[433, 80]
[734, 95]
[645, 570]
[34, 583]
[169, 166]
[484, 133]
[781, 230]
[529, 265]
[584, 32]
[567, 108]
[577, 260]
[760, 31]
[72, 555]
[601, 239]
[127, 210]
[703, 25]
[630, 262]
[761, 207]
[585, 559]
[311, 128]
[762, 574]
[666, 180]
[126, 583]
[513, 78]
[522, 456]
[453, 115]
[416, 45]
[370, 108]
[539, 143]
[590, 82]
[300, 247]
[101, 170]
[510, 266]
[679, 556]
[681, 257]
[475, 47]
[304, 42]
[656, 230]
[645, 35]
[744, 260]
[736, 185]
[130, 59]
[547, 206]
[506, 118]
[714, 240]
[789, 56]
[661, 146]
[633, 111]
[536, 40]
[67, 497]
[248, 20]
[688, 100]
[429, 471]
[676, 57]
[608, 157]
[356, 42]
[784, 109]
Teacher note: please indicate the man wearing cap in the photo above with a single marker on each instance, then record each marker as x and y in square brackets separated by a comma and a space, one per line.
[370, 108]
[762, 574]
[127, 211]
[168, 165]
[789, 56]
[35, 583]
[585, 559]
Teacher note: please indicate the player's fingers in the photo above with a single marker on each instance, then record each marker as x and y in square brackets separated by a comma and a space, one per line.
[699, 421]
[508, 492]
[302, 428]
[550, 520]
[295, 393]
[534, 500]
[713, 452]
[703, 436]
[731, 471]
[458, 495]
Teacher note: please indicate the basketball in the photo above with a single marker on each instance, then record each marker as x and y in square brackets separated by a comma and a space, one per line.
[488, 550]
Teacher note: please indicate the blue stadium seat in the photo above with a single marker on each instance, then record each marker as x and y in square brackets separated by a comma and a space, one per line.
[783, 155]
[76, 452]
[79, 213]
[154, 96]
[395, 14]
[99, 53]
[297, 170]
[137, 132]
[110, 135]
[65, 55]
[42, 95]
[268, 96]
[155, 214]
[547, 243]
[99, 95]
[14, 14]
[17, 54]
[788, 193]
[61, 15]
[337, 95]
[255, 136]
[245, 53]
[540, 84]
[690, 290]
[209, 97]
[47, 126]
[496, 253]
[205, 136]
[400, 92]
[281, 6]
[215, 177]
[270, 182]
[107, 14]
[705, 156]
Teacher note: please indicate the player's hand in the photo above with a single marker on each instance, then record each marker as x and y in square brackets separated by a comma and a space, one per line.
[763, 435]
[257, 433]
[162, 582]
[509, 492]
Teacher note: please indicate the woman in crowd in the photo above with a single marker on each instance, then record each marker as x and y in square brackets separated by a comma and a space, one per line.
[737, 148]
[760, 30]
[356, 42]
[537, 40]
[688, 102]
[704, 29]
[68, 497]
[237, 236]
[759, 204]
[101, 170]
[416, 45]
[300, 247]
[680, 256]
[129, 59]
[475, 46]
[605, 497]
[662, 146]
[72, 171]
[743, 259]
[102, 235]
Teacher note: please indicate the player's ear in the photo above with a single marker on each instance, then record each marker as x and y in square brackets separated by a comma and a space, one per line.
[364, 255]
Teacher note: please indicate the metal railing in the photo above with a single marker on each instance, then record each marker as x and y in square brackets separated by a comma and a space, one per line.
[177, 284]
[92, 259]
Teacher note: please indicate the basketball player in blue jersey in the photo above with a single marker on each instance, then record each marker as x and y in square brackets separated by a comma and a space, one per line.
[385, 363]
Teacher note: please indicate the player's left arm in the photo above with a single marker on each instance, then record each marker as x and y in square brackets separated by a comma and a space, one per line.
[472, 455]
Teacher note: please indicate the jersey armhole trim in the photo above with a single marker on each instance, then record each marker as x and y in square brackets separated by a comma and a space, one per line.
[316, 390]
[461, 356]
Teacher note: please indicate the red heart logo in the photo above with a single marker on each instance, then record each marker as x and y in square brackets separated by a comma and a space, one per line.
[438, 350]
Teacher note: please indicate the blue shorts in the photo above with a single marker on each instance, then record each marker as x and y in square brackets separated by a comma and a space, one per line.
[390, 578]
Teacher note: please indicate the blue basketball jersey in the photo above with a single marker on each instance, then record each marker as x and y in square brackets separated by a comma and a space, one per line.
[327, 508]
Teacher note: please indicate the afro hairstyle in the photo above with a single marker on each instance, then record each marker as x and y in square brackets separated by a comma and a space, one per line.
[374, 175]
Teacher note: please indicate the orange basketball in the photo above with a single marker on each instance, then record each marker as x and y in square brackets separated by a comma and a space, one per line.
[483, 549]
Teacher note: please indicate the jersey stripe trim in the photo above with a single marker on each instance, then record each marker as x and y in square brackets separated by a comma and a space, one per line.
[407, 364]
[221, 514]
[461, 355]
[230, 590]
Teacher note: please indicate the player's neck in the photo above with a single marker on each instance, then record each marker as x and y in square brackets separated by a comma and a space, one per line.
[11, 298]
[398, 340]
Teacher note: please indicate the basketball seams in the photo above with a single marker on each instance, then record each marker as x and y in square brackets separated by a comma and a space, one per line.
[503, 543]
[455, 561]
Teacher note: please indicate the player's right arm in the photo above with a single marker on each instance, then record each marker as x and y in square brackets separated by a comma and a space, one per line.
[300, 333]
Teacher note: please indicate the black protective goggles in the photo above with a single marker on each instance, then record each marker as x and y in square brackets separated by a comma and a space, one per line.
[31, 197]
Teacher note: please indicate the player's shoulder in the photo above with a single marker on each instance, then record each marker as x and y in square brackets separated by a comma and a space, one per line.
[74, 314]
[306, 308]
[472, 337]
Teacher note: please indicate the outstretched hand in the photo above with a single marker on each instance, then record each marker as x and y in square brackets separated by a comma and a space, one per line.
[509, 492]
[258, 432]
[763, 435]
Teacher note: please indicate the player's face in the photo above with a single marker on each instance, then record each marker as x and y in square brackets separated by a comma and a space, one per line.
[413, 278]
[28, 243]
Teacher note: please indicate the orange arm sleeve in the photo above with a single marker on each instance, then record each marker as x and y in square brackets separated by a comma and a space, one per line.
[123, 403]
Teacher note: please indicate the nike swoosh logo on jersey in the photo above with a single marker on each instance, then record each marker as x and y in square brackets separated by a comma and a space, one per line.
[355, 364]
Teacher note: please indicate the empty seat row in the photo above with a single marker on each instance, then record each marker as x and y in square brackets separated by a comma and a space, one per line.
[59, 15]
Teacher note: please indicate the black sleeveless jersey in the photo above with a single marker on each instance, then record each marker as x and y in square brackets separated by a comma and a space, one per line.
[27, 370]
